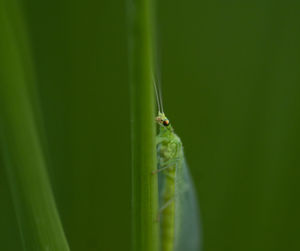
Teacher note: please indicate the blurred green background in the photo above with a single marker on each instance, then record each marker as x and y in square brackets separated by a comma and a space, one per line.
[230, 78]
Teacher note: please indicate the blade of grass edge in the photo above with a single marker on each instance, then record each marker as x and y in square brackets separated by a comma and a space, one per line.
[37, 215]
[145, 234]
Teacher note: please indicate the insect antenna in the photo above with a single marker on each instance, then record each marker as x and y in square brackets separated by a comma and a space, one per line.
[158, 97]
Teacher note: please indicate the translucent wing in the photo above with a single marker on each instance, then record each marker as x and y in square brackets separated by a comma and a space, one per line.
[187, 221]
[188, 235]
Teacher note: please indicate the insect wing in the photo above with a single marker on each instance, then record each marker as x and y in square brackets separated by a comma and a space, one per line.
[187, 221]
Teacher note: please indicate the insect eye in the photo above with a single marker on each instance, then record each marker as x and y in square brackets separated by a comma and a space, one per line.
[166, 122]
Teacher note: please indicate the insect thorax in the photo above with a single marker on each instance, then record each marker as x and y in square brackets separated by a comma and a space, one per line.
[169, 147]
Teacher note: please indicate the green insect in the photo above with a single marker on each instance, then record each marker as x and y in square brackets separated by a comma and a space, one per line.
[178, 213]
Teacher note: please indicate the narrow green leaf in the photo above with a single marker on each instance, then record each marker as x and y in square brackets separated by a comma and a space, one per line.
[145, 191]
[21, 148]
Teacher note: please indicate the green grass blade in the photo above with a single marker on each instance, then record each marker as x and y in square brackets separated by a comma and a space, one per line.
[145, 191]
[21, 148]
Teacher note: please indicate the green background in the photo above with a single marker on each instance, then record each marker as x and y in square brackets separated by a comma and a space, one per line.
[230, 79]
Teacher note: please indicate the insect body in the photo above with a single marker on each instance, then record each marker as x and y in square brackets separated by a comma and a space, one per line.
[178, 206]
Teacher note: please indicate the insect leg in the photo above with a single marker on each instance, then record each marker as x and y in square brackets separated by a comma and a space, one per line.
[159, 140]
[167, 165]
[168, 203]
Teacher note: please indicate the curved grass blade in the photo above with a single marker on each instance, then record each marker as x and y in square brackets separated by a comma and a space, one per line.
[37, 215]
